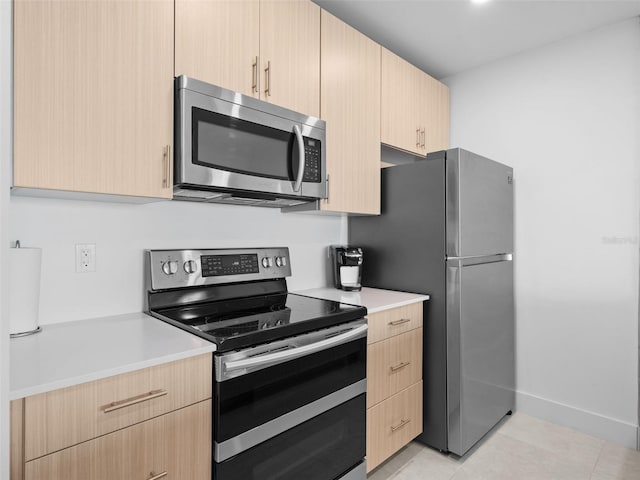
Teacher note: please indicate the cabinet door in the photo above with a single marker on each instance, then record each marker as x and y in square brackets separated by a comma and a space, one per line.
[435, 114]
[392, 365]
[392, 424]
[112, 403]
[395, 321]
[177, 445]
[217, 41]
[290, 50]
[93, 86]
[350, 104]
[402, 104]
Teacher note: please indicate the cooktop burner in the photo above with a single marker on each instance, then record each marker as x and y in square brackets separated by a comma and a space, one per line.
[232, 324]
[235, 298]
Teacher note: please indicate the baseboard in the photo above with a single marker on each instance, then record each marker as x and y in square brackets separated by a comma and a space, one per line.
[610, 429]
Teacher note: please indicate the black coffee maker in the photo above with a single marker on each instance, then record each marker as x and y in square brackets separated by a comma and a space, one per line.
[347, 267]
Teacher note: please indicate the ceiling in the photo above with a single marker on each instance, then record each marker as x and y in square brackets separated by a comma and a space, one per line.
[445, 37]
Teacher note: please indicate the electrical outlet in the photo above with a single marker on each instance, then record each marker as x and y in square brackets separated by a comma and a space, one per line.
[85, 257]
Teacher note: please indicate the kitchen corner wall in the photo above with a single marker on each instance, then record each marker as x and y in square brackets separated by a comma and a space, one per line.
[567, 118]
[121, 232]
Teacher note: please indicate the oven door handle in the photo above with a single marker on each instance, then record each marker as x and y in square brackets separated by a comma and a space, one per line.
[301, 159]
[297, 352]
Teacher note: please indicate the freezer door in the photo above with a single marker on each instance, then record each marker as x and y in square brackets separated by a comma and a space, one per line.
[480, 348]
[479, 200]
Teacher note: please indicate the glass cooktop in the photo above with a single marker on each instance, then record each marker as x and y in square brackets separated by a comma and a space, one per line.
[244, 322]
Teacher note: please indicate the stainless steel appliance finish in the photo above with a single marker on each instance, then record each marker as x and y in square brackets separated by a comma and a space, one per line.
[184, 268]
[232, 148]
[289, 371]
[237, 363]
[446, 229]
[479, 197]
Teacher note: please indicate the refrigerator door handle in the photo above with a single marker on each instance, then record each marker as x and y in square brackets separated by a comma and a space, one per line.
[479, 260]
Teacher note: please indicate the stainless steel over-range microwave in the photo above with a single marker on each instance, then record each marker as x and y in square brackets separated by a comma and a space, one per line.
[232, 148]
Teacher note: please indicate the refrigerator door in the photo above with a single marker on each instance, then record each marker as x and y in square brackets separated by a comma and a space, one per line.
[480, 347]
[479, 205]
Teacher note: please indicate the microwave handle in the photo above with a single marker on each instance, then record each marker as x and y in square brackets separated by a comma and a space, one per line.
[301, 159]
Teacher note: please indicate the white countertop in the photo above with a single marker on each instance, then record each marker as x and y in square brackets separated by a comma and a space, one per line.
[70, 353]
[374, 299]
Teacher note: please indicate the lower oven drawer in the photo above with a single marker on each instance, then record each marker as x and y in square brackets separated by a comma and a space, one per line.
[329, 446]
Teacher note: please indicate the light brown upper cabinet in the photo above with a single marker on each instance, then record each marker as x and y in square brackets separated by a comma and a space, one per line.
[93, 104]
[350, 104]
[269, 49]
[218, 42]
[415, 107]
[290, 54]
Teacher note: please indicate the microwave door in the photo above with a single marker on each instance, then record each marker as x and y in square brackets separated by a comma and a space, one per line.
[236, 150]
[226, 145]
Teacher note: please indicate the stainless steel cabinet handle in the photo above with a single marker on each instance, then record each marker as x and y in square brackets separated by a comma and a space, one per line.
[395, 368]
[400, 425]
[267, 79]
[418, 137]
[296, 352]
[134, 400]
[327, 189]
[254, 76]
[423, 136]
[156, 477]
[166, 158]
[401, 321]
[301, 159]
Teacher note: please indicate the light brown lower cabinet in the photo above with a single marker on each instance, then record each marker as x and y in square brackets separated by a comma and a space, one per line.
[394, 381]
[149, 424]
[173, 446]
[392, 424]
[393, 365]
[388, 323]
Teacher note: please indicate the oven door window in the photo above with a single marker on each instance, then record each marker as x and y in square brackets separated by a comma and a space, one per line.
[250, 400]
[234, 145]
[325, 447]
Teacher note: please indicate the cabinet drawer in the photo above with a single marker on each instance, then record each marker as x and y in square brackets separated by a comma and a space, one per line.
[393, 365]
[392, 424]
[395, 321]
[177, 445]
[65, 417]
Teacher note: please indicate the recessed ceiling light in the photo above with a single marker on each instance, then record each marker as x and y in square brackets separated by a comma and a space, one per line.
[479, 1]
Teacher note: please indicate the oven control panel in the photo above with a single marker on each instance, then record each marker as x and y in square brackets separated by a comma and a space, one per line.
[187, 268]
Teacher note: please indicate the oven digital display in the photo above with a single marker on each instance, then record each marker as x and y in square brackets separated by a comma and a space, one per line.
[219, 265]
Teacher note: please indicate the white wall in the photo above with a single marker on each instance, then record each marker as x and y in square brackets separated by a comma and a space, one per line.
[122, 231]
[5, 162]
[567, 118]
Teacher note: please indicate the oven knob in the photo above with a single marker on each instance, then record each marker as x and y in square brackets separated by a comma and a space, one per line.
[265, 262]
[281, 262]
[190, 266]
[170, 267]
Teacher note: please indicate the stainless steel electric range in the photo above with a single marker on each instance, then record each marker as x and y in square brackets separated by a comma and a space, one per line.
[289, 371]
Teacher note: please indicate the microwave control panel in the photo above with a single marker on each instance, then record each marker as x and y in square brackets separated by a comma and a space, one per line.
[312, 160]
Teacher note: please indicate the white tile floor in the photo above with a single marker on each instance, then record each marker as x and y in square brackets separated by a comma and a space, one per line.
[521, 448]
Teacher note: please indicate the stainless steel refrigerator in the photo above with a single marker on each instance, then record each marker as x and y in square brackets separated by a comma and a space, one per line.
[446, 229]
